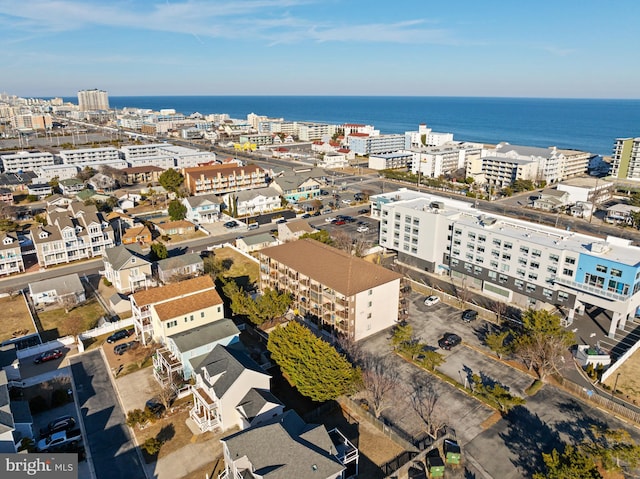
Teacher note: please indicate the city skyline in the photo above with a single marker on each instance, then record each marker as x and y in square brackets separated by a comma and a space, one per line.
[565, 49]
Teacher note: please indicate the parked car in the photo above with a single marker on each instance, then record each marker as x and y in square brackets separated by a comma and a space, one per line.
[118, 335]
[363, 211]
[346, 201]
[48, 356]
[155, 407]
[431, 300]
[469, 315]
[329, 219]
[231, 224]
[324, 192]
[281, 221]
[362, 229]
[358, 197]
[120, 349]
[58, 439]
[305, 216]
[253, 226]
[316, 213]
[63, 423]
[449, 340]
[339, 222]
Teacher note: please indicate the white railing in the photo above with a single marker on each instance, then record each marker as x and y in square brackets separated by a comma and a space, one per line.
[611, 369]
[106, 328]
[40, 348]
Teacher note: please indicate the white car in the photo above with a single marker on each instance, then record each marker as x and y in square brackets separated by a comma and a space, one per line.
[346, 202]
[431, 300]
[329, 219]
[362, 229]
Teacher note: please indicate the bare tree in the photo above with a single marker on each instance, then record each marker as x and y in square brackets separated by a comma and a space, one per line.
[463, 292]
[68, 302]
[500, 309]
[343, 241]
[351, 349]
[166, 394]
[424, 401]
[379, 378]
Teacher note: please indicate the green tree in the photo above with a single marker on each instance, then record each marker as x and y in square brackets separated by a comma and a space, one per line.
[158, 251]
[177, 211]
[542, 342]
[496, 342]
[402, 334]
[431, 359]
[152, 446]
[310, 364]
[86, 173]
[614, 448]
[322, 236]
[270, 305]
[8, 225]
[171, 180]
[572, 463]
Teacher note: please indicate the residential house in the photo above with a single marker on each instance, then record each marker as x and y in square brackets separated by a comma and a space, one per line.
[287, 447]
[203, 208]
[292, 230]
[172, 309]
[63, 290]
[621, 214]
[222, 179]
[58, 201]
[587, 189]
[253, 202]
[102, 183]
[231, 390]
[39, 190]
[7, 424]
[177, 268]
[127, 268]
[71, 186]
[333, 160]
[297, 186]
[17, 181]
[333, 291]
[551, 200]
[77, 232]
[249, 244]
[137, 233]
[10, 254]
[6, 195]
[142, 174]
[179, 227]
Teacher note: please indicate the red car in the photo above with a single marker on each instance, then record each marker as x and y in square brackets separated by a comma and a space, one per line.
[339, 222]
[48, 356]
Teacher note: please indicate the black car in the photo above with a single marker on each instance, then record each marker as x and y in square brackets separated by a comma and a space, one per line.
[305, 216]
[155, 407]
[281, 221]
[363, 211]
[63, 423]
[231, 224]
[469, 315]
[317, 213]
[449, 340]
[118, 335]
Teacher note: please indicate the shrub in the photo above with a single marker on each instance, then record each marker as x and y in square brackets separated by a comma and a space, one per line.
[38, 404]
[59, 397]
[152, 446]
[106, 282]
[137, 416]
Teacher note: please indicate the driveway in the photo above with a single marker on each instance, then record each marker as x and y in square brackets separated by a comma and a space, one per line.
[108, 441]
[136, 388]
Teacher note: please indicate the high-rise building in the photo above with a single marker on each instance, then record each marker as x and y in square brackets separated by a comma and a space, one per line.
[625, 162]
[91, 100]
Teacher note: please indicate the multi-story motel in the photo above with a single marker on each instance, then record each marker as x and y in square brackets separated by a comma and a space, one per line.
[76, 233]
[62, 172]
[625, 162]
[434, 161]
[425, 137]
[332, 290]
[92, 157]
[314, 131]
[390, 161]
[512, 260]
[363, 144]
[25, 160]
[220, 179]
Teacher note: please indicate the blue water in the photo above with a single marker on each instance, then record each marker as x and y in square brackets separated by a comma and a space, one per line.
[588, 125]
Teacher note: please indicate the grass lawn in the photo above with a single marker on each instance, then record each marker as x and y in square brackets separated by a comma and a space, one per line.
[629, 382]
[16, 320]
[56, 323]
[242, 268]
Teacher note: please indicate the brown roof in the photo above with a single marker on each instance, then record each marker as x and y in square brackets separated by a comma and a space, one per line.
[163, 293]
[187, 304]
[175, 224]
[332, 267]
[224, 170]
[300, 225]
[136, 231]
[141, 169]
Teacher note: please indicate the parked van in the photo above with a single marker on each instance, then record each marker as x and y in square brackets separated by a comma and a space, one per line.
[253, 226]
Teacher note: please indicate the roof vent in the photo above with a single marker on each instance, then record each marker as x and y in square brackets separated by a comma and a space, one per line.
[599, 247]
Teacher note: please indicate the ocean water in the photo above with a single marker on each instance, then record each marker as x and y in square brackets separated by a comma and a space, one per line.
[582, 124]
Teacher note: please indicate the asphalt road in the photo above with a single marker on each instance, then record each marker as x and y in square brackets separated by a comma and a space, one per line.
[108, 441]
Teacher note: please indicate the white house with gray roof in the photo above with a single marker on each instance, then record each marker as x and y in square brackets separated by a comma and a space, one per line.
[224, 380]
[249, 244]
[286, 447]
[177, 268]
[254, 201]
[127, 268]
[66, 289]
[203, 208]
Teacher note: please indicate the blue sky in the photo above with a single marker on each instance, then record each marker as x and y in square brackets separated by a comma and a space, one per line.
[547, 48]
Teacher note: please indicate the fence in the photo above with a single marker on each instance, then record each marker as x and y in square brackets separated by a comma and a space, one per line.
[106, 328]
[593, 397]
[40, 348]
[627, 354]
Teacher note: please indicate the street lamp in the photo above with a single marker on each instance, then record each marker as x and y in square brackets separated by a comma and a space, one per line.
[615, 386]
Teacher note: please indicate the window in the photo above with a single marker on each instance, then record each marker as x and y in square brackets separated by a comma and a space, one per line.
[524, 249]
[601, 268]
[471, 236]
[479, 259]
[554, 258]
[497, 242]
[494, 264]
[536, 253]
[519, 284]
[567, 272]
[618, 287]
[531, 288]
[532, 276]
[480, 249]
[593, 280]
[456, 242]
[504, 267]
[520, 272]
[495, 253]
[468, 266]
[508, 245]
[457, 232]
[370, 292]
[482, 238]
[477, 269]
[552, 269]
[370, 303]
[534, 265]
[570, 260]
[454, 262]
[522, 261]
[172, 324]
[369, 316]
[202, 314]
[562, 296]
[191, 317]
[506, 256]
[616, 272]
[493, 275]
[456, 252]
[547, 293]
[503, 278]
[470, 246]
[469, 256]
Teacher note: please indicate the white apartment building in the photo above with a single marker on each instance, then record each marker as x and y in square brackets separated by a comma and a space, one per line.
[314, 131]
[587, 190]
[512, 260]
[503, 171]
[426, 137]
[90, 156]
[161, 161]
[333, 160]
[62, 172]
[363, 144]
[25, 161]
[350, 128]
[136, 151]
[435, 161]
[187, 157]
[391, 161]
[89, 100]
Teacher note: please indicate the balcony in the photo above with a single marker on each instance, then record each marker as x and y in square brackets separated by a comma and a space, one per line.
[345, 451]
[204, 422]
[585, 288]
[165, 366]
